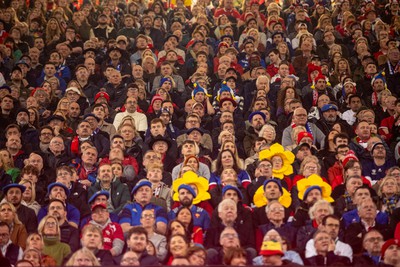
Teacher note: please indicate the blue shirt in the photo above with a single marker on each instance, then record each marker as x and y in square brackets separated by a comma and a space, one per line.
[132, 212]
[73, 214]
[243, 176]
[200, 216]
[352, 216]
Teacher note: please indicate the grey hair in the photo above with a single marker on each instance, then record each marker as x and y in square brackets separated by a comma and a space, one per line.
[270, 204]
[225, 202]
[316, 205]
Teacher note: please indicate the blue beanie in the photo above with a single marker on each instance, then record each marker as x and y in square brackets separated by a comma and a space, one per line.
[188, 188]
[165, 79]
[308, 190]
[278, 182]
[139, 185]
[231, 187]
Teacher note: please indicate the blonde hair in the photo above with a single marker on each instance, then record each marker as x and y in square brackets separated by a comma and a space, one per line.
[85, 252]
[14, 211]
[295, 132]
[310, 159]
[43, 222]
[384, 180]
[33, 196]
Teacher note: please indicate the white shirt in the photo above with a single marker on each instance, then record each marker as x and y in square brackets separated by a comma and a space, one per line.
[140, 120]
[4, 250]
[349, 116]
[341, 249]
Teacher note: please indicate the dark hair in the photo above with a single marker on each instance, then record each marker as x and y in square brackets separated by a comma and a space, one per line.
[48, 128]
[219, 168]
[341, 146]
[137, 230]
[169, 232]
[66, 168]
[59, 201]
[190, 226]
[234, 253]
[340, 135]
[332, 216]
[23, 261]
[29, 169]
[5, 224]
[275, 51]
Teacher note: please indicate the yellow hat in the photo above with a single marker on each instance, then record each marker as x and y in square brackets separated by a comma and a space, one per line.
[191, 178]
[260, 200]
[286, 156]
[270, 248]
[304, 186]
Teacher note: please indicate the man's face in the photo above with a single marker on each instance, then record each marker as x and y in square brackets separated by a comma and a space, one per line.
[262, 83]
[131, 105]
[313, 196]
[14, 143]
[264, 168]
[56, 144]
[137, 243]
[14, 195]
[195, 136]
[115, 78]
[329, 38]
[229, 239]
[322, 241]
[74, 110]
[320, 212]
[4, 234]
[257, 122]
[232, 194]
[143, 195]
[22, 118]
[373, 243]
[92, 240]
[7, 103]
[300, 116]
[49, 70]
[360, 195]
[228, 214]
[57, 192]
[157, 129]
[363, 130]
[45, 136]
[355, 104]
[272, 192]
[320, 84]
[330, 115]
[118, 142]
[57, 210]
[332, 227]
[100, 215]
[379, 152]
[154, 175]
[392, 253]
[105, 174]
[188, 149]
[89, 156]
[137, 71]
[185, 197]
[378, 85]
[84, 130]
[160, 147]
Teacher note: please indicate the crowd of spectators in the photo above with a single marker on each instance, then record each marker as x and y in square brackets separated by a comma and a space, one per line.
[198, 132]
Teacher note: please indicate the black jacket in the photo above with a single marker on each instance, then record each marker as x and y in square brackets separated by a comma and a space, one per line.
[330, 260]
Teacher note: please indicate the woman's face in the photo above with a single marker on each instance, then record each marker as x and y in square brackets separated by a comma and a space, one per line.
[268, 135]
[33, 257]
[224, 20]
[50, 227]
[5, 156]
[282, 48]
[36, 242]
[390, 187]
[82, 260]
[47, 88]
[184, 216]
[6, 213]
[52, 25]
[277, 162]
[27, 195]
[310, 168]
[198, 258]
[177, 228]
[127, 133]
[32, 116]
[290, 93]
[226, 159]
[178, 246]
[230, 146]
[193, 163]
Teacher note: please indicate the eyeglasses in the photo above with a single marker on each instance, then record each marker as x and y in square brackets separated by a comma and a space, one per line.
[277, 209]
[374, 239]
[151, 157]
[51, 224]
[267, 166]
[5, 235]
[148, 216]
[230, 236]
[130, 260]
[48, 134]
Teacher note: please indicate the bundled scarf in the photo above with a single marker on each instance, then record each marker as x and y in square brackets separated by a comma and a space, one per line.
[390, 202]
